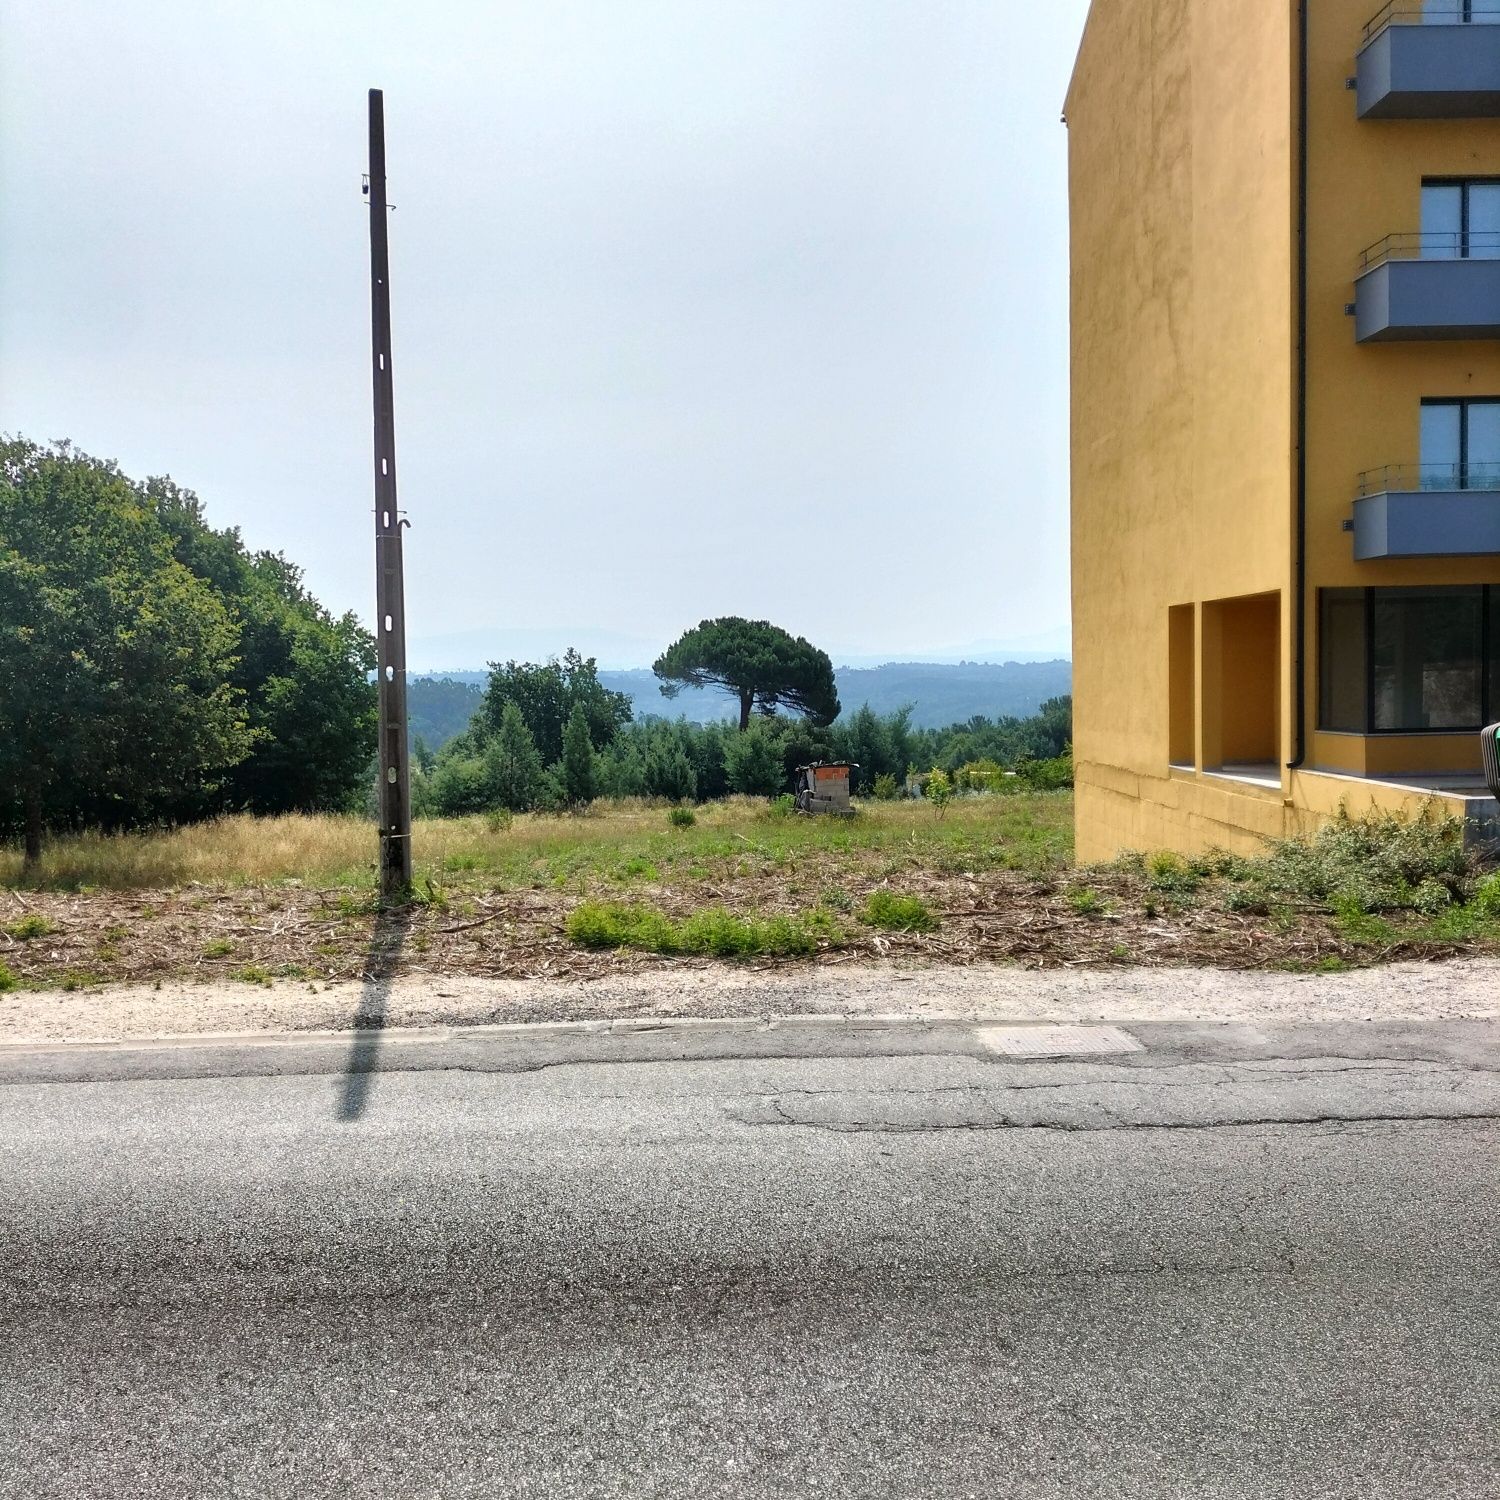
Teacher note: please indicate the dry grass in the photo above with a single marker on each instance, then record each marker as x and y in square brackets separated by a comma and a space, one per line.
[1033, 832]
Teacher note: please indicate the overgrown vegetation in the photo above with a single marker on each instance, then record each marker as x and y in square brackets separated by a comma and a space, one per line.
[715, 931]
[154, 669]
[898, 913]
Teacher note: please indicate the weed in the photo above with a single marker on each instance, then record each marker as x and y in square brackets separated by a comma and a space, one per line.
[24, 929]
[219, 948]
[681, 817]
[253, 974]
[836, 898]
[8, 980]
[1087, 902]
[1359, 926]
[1171, 872]
[899, 913]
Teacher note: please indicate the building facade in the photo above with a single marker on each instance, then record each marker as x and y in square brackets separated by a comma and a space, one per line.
[1285, 414]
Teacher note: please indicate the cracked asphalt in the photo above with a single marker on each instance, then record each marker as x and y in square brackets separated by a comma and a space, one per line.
[827, 1257]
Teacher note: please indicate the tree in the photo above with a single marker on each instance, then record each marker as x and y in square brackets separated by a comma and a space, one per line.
[753, 761]
[514, 774]
[761, 664]
[578, 770]
[116, 659]
[546, 696]
[667, 770]
[305, 675]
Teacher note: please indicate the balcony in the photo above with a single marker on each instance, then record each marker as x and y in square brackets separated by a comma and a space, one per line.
[1427, 510]
[1429, 61]
[1429, 286]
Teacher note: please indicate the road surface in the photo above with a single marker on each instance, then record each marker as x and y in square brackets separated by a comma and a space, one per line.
[809, 1259]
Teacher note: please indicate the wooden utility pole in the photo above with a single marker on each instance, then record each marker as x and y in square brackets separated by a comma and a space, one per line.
[390, 589]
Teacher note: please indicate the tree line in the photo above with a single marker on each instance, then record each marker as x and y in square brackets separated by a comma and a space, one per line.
[156, 670]
[552, 736]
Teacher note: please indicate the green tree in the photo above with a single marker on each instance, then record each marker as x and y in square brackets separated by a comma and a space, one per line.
[116, 659]
[579, 776]
[514, 775]
[667, 770]
[753, 761]
[305, 674]
[761, 664]
[546, 696]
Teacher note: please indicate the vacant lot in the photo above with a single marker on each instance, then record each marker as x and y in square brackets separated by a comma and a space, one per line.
[622, 887]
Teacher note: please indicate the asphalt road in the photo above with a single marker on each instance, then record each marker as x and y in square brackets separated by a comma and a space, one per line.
[715, 1260]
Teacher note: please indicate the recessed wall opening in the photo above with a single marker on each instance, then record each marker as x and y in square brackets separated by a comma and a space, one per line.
[1182, 686]
[1241, 686]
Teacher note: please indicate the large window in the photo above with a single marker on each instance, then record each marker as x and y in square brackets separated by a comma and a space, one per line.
[1461, 220]
[1401, 661]
[1461, 444]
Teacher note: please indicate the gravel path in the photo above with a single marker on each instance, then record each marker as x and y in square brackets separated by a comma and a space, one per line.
[1457, 990]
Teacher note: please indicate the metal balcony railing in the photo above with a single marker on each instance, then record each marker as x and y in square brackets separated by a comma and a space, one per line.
[1466, 244]
[1412, 478]
[1432, 13]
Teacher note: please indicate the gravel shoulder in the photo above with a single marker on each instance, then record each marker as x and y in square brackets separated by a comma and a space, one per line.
[1461, 989]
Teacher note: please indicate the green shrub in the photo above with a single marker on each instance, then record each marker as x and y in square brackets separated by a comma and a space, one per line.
[938, 790]
[1380, 863]
[8, 980]
[886, 788]
[1486, 897]
[899, 913]
[611, 924]
[1087, 902]
[783, 806]
[1171, 872]
[24, 929]
[1054, 774]
[681, 817]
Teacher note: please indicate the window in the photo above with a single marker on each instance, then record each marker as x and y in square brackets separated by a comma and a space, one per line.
[1448, 12]
[1342, 670]
[1461, 445]
[1461, 220]
[1405, 660]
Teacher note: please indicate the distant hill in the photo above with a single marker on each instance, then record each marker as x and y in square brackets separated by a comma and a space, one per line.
[941, 694]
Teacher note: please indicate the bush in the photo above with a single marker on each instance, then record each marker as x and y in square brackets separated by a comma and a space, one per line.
[681, 817]
[886, 788]
[8, 980]
[752, 761]
[1051, 775]
[24, 929]
[899, 913]
[938, 790]
[612, 924]
[1378, 863]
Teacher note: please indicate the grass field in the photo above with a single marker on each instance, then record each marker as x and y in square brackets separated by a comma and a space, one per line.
[990, 879]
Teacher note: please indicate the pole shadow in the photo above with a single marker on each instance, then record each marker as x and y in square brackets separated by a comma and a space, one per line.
[387, 944]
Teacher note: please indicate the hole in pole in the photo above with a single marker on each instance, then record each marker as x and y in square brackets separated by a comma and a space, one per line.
[385, 468]
[385, 518]
[389, 624]
[382, 361]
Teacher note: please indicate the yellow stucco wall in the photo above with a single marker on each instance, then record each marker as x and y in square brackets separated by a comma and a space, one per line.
[1364, 401]
[1181, 189]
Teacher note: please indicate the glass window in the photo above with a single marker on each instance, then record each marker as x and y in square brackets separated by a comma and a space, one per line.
[1482, 446]
[1484, 218]
[1341, 656]
[1428, 657]
[1442, 220]
[1492, 704]
[1442, 444]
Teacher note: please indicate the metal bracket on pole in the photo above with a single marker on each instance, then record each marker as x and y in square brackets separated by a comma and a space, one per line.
[390, 587]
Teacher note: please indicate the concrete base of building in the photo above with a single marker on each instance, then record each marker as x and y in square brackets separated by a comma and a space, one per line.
[1239, 808]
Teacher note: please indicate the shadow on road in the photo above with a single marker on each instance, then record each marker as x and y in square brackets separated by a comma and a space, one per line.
[387, 944]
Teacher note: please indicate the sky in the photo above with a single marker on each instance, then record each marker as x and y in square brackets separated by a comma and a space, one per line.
[699, 307]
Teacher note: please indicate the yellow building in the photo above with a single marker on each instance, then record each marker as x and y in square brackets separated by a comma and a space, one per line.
[1286, 414]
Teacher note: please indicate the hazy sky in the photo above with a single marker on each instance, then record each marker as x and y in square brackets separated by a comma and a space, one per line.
[699, 307]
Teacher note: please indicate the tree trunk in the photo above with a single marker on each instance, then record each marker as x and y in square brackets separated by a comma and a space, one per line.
[33, 827]
[747, 699]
